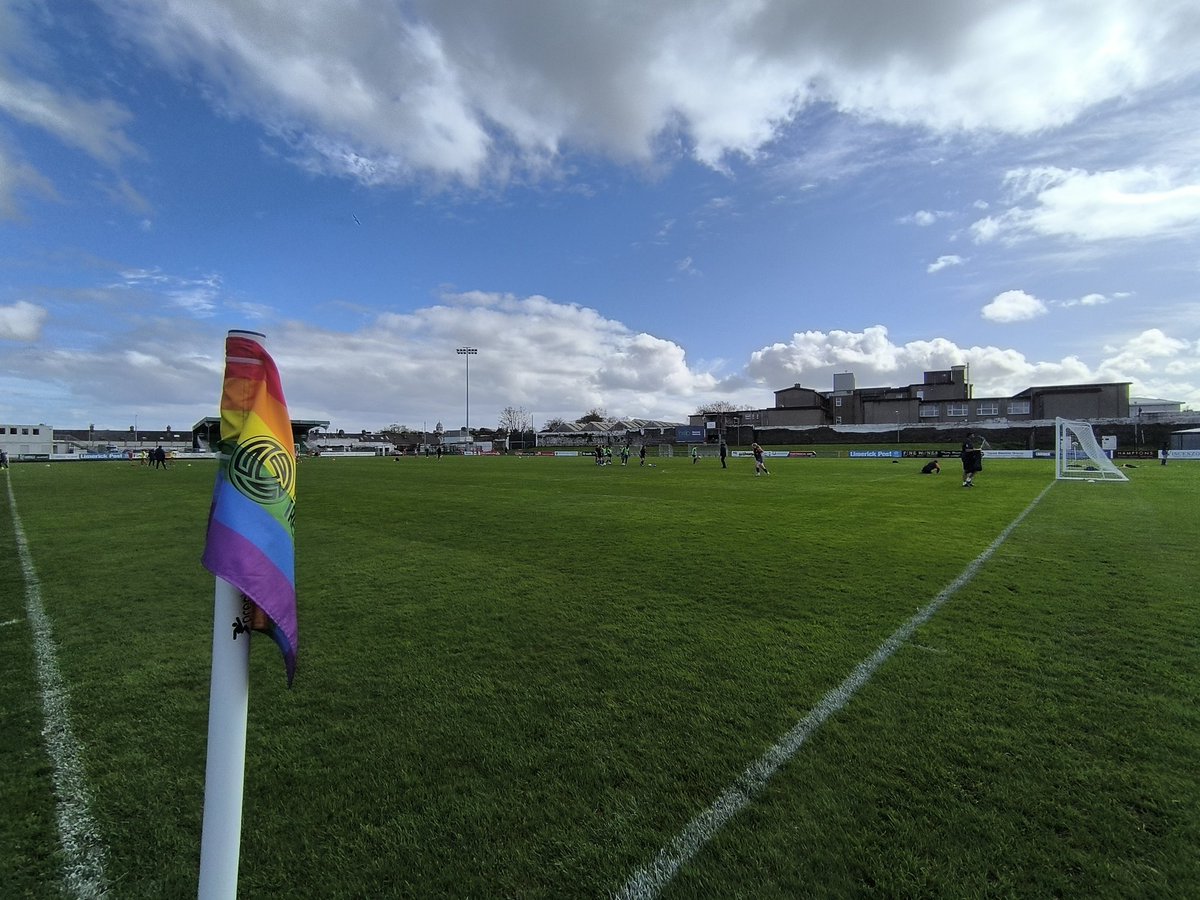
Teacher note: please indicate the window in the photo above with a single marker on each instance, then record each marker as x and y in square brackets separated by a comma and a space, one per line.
[837, 401]
[24, 431]
[837, 420]
[956, 409]
[1018, 407]
[37, 431]
[929, 410]
[987, 408]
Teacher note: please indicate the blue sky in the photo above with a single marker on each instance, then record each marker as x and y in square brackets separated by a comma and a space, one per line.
[640, 213]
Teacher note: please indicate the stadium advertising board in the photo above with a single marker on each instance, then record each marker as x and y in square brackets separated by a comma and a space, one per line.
[876, 454]
[689, 434]
[1008, 454]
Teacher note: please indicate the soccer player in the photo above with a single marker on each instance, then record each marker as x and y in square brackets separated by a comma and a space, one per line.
[972, 459]
[760, 467]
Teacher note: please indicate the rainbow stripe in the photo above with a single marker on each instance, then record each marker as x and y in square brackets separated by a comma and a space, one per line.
[251, 526]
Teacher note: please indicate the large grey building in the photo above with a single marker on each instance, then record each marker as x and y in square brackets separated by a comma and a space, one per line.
[943, 397]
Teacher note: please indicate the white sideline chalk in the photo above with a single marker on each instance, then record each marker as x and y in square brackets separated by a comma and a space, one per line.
[650, 880]
[83, 851]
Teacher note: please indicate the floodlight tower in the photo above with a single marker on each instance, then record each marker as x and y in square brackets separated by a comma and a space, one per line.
[466, 353]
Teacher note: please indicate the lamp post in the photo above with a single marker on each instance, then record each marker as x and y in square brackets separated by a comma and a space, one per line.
[467, 353]
[897, 426]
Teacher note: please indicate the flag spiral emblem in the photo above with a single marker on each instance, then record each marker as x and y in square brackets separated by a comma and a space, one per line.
[263, 469]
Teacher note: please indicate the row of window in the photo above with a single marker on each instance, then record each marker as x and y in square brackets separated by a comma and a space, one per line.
[982, 408]
[12, 429]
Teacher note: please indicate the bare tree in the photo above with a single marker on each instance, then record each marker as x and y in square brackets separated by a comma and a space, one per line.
[719, 406]
[515, 418]
[554, 425]
[593, 415]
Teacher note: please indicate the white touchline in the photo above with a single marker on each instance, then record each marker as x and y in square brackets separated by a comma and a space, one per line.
[83, 851]
[648, 881]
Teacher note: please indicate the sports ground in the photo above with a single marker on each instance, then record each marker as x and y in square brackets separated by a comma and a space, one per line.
[540, 678]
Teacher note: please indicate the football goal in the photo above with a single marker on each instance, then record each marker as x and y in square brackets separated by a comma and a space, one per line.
[1077, 454]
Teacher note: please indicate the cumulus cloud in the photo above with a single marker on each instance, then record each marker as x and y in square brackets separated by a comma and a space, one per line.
[944, 262]
[1129, 203]
[379, 92]
[1013, 306]
[21, 322]
[1155, 364]
[552, 358]
[549, 357]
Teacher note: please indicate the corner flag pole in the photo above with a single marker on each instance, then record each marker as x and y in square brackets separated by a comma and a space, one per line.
[224, 774]
[250, 549]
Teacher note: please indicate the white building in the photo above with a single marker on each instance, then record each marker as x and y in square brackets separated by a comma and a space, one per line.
[26, 441]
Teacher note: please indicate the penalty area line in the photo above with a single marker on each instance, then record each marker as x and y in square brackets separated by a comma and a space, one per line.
[650, 880]
[83, 851]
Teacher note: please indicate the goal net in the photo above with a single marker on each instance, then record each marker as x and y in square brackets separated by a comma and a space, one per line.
[1077, 454]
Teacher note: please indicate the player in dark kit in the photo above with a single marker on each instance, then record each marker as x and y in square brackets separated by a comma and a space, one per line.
[972, 459]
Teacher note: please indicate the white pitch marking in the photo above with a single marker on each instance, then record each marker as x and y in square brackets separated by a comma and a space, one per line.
[650, 880]
[83, 851]
[11, 622]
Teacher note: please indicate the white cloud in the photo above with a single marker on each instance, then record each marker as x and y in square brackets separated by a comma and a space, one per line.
[16, 178]
[552, 358]
[1156, 364]
[943, 262]
[464, 90]
[924, 217]
[1013, 306]
[1130, 203]
[21, 322]
[1093, 299]
[94, 126]
[199, 296]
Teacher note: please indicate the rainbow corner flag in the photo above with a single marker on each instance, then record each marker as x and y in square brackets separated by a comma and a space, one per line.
[251, 525]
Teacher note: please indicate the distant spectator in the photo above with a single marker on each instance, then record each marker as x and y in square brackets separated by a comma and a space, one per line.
[3, 459]
[724, 453]
[1164, 453]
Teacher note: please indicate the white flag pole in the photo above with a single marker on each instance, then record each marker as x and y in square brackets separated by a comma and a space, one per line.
[229, 697]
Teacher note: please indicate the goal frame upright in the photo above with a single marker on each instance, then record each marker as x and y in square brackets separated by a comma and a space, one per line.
[1087, 462]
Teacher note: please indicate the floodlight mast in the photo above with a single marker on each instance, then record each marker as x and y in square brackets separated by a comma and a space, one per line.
[466, 353]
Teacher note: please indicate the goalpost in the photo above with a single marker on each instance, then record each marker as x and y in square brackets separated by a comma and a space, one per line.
[1077, 455]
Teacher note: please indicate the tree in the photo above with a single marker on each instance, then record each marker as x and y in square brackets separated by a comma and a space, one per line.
[719, 406]
[515, 419]
[554, 425]
[593, 415]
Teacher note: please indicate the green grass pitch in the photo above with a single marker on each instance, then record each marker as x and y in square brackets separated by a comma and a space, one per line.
[524, 677]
